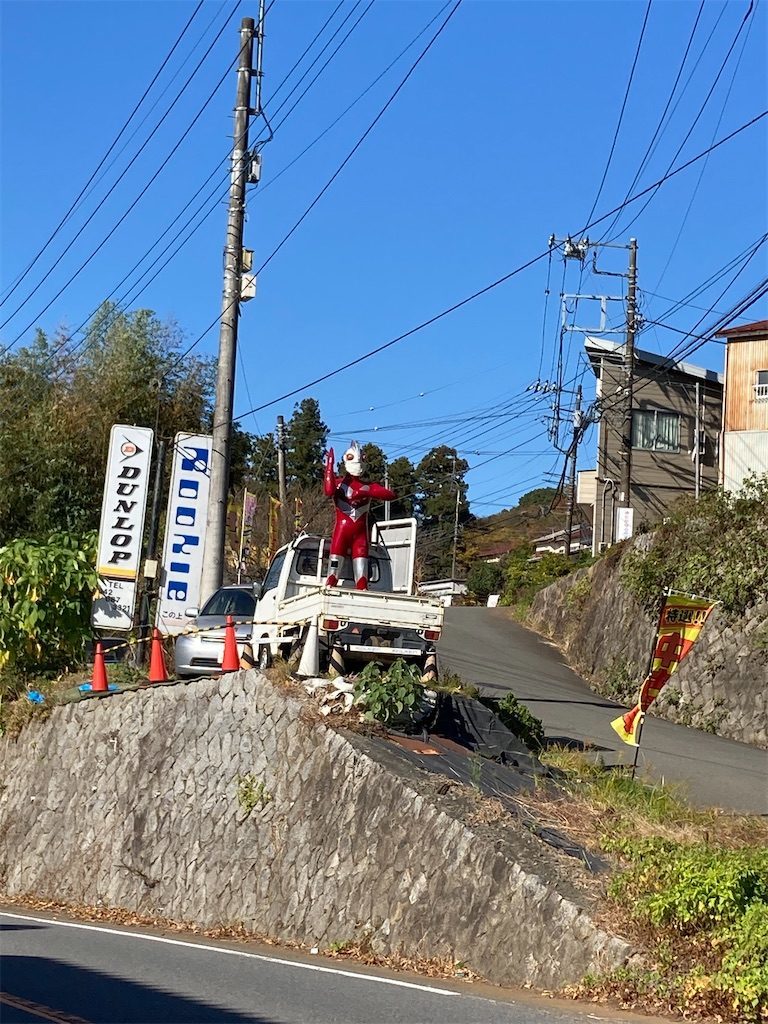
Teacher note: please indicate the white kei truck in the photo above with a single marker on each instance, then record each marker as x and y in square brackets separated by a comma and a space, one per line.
[336, 628]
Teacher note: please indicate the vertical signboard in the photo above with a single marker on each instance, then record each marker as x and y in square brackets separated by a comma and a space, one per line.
[182, 564]
[122, 526]
[625, 523]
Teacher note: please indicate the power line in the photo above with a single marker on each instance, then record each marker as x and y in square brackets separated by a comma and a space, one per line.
[697, 118]
[621, 112]
[659, 125]
[152, 179]
[101, 162]
[489, 287]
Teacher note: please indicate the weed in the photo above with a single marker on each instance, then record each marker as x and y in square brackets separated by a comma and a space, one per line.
[520, 721]
[390, 694]
[475, 771]
[251, 792]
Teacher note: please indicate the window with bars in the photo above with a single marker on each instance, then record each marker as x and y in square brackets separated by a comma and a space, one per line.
[656, 431]
[761, 385]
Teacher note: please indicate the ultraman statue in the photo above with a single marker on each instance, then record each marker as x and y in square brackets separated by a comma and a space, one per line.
[352, 499]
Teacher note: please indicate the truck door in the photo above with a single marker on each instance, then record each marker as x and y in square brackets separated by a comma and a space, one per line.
[398, 536]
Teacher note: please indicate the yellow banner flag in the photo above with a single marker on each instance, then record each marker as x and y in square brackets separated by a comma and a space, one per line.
[680, 624]
[274, 525]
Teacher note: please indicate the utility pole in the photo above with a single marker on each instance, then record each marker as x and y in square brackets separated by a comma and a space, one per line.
[213, 565]
[150, 582]
[387, 504]
[573, 457]
[455, 521]
[281, 484]
[625, 480]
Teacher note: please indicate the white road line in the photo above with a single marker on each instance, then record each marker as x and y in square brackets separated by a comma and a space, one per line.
[234, 952]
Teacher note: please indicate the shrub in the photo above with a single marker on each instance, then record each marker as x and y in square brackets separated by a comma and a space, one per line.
[714, 546]
[387, 695]
[691, 888]
[45, 600]
[743, 974]
[519, 720]
[484, 579]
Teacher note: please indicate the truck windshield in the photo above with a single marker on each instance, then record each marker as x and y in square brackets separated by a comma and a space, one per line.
[273, 575]
[231, 602]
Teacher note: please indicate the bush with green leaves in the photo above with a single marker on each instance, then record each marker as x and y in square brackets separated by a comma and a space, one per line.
[519, 720]
[387, 695]
[690, 888]
[714, 899]
[716, 546]
[46, 590]
[524, 578]
[743, 973]
[484, 579]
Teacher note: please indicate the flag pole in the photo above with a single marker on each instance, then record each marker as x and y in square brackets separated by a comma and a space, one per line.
[652, 655]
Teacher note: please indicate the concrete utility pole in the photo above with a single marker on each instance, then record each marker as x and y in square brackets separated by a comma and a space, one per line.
[573, 457]
[387, 504]
[625, 480]
[213, 565]
[455, 521]
[281, 483]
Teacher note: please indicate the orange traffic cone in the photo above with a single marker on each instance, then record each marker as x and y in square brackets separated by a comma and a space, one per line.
[158, 673]
[231, 660]
[99, 680]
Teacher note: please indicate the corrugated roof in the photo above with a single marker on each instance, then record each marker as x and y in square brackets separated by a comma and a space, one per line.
[739, 330]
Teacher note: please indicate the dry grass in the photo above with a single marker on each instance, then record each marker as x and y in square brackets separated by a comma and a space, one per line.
[599, 802]
[359, 950]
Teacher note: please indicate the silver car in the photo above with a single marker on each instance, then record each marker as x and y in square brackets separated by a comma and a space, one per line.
[201, 653]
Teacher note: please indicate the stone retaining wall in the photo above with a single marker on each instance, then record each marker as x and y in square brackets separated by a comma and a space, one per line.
[721, 687]
[223, 802]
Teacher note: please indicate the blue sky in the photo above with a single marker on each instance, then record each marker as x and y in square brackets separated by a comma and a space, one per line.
[498, 139]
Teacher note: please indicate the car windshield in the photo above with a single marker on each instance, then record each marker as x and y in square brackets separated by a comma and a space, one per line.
[239, 603]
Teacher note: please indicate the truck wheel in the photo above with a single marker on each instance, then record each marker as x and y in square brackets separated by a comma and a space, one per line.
[265, 657]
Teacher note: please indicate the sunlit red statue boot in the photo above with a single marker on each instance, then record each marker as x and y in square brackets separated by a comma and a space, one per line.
[352, 498]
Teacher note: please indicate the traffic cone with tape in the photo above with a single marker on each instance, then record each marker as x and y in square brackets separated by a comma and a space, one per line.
[231, 660]
[99, 680]
[158, 673]
[246, 658]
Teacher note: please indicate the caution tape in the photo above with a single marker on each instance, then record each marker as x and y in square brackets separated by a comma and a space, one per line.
[191, 630]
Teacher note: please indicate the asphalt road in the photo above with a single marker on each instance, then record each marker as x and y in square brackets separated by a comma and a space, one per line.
[485, 646]
[67, 972]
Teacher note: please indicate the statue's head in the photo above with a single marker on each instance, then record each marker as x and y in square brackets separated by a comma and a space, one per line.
[354, 461]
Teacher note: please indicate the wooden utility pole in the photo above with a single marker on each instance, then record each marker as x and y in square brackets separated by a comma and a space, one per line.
[281, 482]
[573, 457]
[213, 565]
[625, 481]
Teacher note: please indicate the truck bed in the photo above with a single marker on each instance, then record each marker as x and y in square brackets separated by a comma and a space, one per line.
[362, 606]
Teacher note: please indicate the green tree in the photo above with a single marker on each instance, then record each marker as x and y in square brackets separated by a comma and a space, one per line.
[375, 463]
[402, 480]
[439, 475]
[483, 579]
[540, 497]
[262, 471]
[59, 400]
[306, 443]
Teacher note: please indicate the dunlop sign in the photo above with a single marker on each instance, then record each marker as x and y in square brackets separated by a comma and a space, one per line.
[182, 565]
[122, 525]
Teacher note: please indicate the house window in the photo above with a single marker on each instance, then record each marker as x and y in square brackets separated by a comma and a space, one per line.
[655, 431]
[761, 385]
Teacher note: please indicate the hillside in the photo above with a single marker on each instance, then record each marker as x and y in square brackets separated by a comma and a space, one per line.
[516, 527]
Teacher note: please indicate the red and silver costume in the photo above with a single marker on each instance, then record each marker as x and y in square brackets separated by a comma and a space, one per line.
[352, 499]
